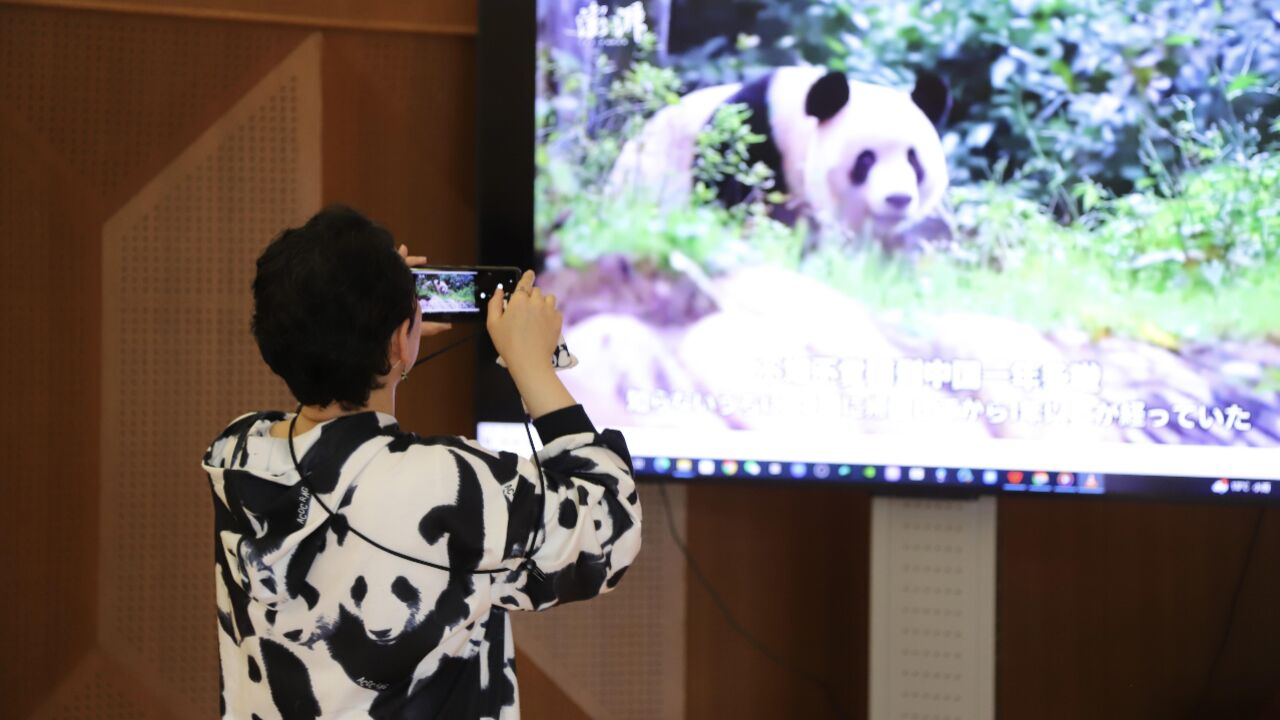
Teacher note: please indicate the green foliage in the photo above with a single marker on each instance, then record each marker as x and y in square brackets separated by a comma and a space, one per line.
[1054, 291]
[707, 234]
[722, 153]
[449, 287]
[1225, 219]
[645, 89]
[1108, 174]
[459, 295]
[578, 140]
[1061, 91]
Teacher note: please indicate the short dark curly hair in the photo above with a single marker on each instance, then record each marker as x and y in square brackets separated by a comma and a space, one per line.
[326, 298]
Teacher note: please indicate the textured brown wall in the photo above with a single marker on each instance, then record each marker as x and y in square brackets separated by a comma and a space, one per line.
[433, 16]
[1106, 609]
[91, 106]
[48, 517]
[1115, 609]
[791, 566]
[172, 148]
[399, 143]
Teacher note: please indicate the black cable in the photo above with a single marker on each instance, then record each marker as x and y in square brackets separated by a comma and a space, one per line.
[449, 347]
[542, 510]
[760, 647]
[529, 563]
[542, 479]
[302, 478]
[1231, 613]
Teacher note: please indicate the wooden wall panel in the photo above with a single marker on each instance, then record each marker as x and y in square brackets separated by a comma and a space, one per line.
[91, 105]
[1114, 609]
[791, 564]
[622, 656]
[399, 145]
[1247, 680]
[102, 689]
[1106, 609]
[119, 96]
[49, 278]
[540, 697]
[455, 17]
[179, 363]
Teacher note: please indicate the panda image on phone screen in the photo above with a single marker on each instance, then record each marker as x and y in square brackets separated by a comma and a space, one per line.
[853, 155]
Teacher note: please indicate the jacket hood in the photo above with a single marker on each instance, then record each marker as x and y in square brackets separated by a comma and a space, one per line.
[264, 515]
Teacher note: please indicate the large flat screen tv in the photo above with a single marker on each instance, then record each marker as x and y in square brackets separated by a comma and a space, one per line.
[986, 246]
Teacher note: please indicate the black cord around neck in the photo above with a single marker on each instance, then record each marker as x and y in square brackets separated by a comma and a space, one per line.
[529, 563]
[448, 347]
[302, 478]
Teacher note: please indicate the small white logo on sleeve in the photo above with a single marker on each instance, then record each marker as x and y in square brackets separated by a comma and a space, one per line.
[304, 505]
[371, 685]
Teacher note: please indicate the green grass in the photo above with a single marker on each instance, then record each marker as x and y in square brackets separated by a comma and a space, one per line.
[712, 237]
[1214, 276]
[1057, 291]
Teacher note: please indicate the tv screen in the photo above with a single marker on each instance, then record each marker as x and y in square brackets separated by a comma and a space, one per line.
[983, 246]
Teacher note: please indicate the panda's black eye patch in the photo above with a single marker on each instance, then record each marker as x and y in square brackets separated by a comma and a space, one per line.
[862, 167]
[358, 590]
[915, 165]
[405, 590]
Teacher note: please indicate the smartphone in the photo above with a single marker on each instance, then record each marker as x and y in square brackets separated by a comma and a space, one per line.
[459, 294]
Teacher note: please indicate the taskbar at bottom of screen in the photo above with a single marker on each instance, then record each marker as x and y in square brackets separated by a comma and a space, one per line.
[974, 480]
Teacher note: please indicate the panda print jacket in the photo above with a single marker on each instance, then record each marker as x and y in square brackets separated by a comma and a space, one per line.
[316, 621]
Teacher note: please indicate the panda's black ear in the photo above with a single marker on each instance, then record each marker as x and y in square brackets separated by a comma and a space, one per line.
[827, 96]
[932, 96]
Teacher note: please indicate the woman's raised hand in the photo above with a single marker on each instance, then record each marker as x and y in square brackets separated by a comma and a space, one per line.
[527, 329]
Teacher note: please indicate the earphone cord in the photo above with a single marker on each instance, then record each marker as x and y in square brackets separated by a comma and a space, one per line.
[533, 450]
[530, 564]
[449, 347]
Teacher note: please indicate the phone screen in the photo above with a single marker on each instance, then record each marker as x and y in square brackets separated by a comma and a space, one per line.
[459, 293]
[446, 292]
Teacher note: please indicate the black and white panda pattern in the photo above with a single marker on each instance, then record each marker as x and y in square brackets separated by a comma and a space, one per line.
[314, 621]
[849, 155]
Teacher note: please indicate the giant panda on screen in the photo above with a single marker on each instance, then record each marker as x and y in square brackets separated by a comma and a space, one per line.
[848, 154]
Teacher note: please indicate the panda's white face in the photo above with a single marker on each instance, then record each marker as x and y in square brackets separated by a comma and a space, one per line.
[878, 162]
[856, 156]
[389, 604]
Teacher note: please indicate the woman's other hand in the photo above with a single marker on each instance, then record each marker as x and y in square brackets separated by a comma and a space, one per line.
[428, 328]
[525, 333]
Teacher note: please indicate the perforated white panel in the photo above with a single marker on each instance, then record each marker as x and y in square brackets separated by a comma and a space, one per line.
[113, 92]
[179, 362]
[932, 609]
[622, 655]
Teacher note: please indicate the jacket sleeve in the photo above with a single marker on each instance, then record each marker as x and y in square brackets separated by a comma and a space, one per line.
[582, 520]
